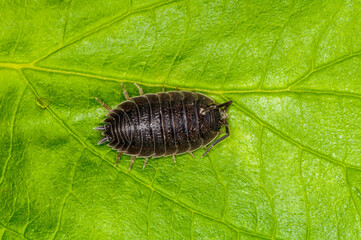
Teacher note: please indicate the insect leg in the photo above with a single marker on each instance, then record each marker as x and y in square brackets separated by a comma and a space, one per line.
[192, 154]
[218, 140]
[119, 155]
[131, 162]
[174, 158]
[103, 104]
[140, 89]
[103, 140]
[145, 162]
[163, 88]
[126, 95]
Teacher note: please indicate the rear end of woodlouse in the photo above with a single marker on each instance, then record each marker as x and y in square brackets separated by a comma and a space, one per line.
[164, 124]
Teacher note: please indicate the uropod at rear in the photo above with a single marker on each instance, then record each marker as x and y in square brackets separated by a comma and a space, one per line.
[163, 124]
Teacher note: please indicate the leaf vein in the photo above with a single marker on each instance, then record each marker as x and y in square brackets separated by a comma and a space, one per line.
[321, 34]
[148, 213]
[97, 29]
[307, 203]
[12, 231]
[182, 46]
[154, 42]
[322, 67]
[223, 186]
[235, 56]
[289, 139]
[352, 199]
[11, 137]
[66, 20]
[273, 48]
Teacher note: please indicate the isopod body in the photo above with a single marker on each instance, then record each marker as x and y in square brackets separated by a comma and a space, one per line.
[164, 124]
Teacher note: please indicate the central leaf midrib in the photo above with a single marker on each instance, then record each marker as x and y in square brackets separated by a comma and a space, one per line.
[30, 66]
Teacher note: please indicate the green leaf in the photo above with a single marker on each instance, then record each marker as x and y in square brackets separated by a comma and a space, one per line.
[290, 170]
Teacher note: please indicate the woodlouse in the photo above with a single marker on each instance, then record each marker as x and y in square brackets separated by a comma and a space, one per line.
[163, 124]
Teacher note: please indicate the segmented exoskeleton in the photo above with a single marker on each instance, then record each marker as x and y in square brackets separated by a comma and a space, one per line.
[163, 124]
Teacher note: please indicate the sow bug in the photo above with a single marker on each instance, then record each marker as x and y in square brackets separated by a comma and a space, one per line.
[163, 124]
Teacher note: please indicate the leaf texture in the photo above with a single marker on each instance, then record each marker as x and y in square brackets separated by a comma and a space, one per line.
[291, 168]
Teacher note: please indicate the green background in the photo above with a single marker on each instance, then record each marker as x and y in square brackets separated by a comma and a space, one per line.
[291, 168]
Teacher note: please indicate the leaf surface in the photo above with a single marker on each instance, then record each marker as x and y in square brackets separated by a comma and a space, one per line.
[290, 170]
